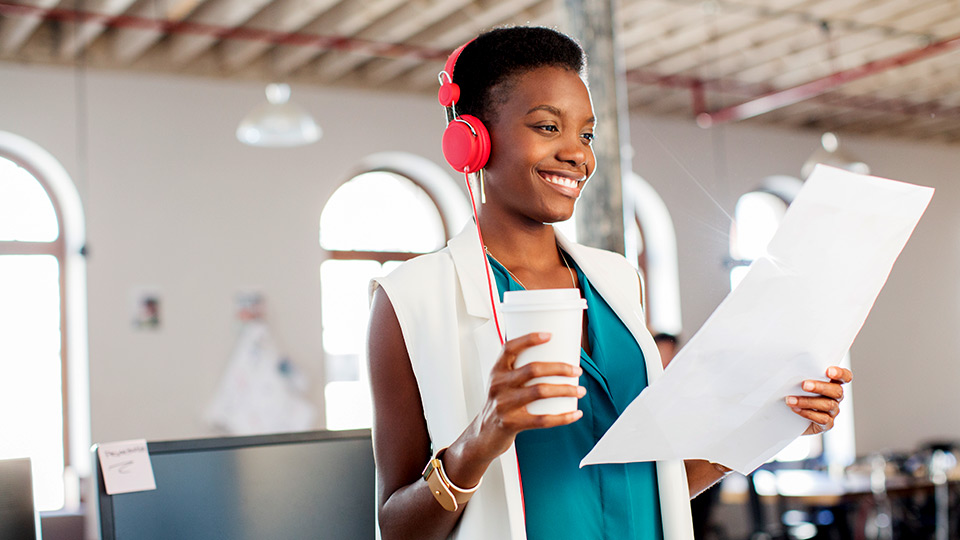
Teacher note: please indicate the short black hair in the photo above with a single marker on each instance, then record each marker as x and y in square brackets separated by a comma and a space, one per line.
[489, 64]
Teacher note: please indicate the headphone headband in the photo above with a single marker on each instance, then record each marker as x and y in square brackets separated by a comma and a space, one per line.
[452, 59]
[466, 142]
[449, 92]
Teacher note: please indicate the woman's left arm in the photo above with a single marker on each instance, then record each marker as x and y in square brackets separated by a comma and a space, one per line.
[821, 409]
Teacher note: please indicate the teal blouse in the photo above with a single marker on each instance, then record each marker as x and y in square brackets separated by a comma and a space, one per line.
[560, 499]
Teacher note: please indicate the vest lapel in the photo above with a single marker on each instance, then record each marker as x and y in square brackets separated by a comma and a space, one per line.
[470, 263]
[623, 297]
[468, 259]
[622, 293]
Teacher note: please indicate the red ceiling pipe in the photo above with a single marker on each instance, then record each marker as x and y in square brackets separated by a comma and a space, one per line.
[687, 82]
[782, 98]
[340, 43]
[391, 50]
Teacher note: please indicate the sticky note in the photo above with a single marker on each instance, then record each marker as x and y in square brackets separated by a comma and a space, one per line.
[126, 466]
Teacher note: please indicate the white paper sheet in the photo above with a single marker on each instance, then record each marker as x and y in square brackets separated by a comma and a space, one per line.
[795, 313]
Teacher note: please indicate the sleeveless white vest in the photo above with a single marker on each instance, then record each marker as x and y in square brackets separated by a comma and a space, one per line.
[443, 306]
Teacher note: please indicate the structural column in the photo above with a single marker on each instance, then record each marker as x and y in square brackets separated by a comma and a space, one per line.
[600, 212]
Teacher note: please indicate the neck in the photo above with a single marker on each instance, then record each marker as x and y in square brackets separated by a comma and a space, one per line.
[530, 254]
[530, 246]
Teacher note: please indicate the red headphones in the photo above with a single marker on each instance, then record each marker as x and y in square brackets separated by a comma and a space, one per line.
[466, 142]
[466, 146]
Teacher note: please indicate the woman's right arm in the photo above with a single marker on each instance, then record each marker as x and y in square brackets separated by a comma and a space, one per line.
[401, 444]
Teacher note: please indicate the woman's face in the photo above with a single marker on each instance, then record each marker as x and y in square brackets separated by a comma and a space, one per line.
[541, 152]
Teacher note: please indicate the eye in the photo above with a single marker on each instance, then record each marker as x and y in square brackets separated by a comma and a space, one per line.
[588, 137]
[548, 128]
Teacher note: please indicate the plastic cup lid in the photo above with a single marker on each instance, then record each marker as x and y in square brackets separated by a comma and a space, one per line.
[543, 299]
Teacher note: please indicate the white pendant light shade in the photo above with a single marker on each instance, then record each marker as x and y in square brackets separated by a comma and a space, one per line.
[278, 123]
[830, 153]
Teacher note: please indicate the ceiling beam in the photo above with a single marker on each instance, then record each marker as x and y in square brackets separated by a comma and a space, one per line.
[131, 41]
[398, 27]
[317, 42]
[220, 13]
[17, 27]
[466, 26]
[81, 34]
[345, 20]
[282, 16]
[840, 47]
[773, 45]
[782, 98]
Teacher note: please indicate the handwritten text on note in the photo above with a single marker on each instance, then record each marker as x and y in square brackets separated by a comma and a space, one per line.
[126, 466]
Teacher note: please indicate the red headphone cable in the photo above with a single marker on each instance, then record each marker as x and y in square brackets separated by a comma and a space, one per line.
[486, 263]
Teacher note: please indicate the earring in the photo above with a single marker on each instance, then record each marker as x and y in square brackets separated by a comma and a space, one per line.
[483, 193]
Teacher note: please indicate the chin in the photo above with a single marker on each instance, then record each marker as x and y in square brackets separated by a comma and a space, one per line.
[557, 217]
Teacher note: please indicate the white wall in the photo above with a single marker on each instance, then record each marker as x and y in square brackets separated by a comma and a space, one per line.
[174, 202]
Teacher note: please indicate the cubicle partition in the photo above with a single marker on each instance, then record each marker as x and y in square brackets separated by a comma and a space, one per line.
[317, 485]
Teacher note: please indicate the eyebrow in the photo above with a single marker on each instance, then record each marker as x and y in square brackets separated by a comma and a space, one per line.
[556, 112]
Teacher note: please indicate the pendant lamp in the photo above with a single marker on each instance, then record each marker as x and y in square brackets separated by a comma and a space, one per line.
[830, 153]
[278, 122]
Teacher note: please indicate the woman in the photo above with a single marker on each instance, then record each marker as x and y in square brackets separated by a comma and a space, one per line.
[450, 408]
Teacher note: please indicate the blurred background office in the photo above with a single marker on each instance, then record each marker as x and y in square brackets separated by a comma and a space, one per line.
[194, 194]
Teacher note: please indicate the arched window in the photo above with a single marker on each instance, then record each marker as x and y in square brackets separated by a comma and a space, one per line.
[656, 243]
[44, 410]
[756, 218]
[399, 206]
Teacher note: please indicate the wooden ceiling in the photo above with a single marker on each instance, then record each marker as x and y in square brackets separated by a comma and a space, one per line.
[889, 67]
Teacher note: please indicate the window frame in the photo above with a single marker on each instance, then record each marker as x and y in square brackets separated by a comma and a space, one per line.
[445, 193]
[57, 248]
[657, 261]
[69, 248]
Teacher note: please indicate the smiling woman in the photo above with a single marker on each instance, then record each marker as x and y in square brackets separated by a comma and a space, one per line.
[452, 432]
[430, 361]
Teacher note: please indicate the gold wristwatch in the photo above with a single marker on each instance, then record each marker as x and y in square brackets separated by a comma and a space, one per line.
[448, 494]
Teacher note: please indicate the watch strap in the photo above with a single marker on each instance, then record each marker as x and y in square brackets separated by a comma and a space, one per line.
[449, 495]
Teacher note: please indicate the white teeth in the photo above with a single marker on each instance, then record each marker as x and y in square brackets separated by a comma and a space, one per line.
[561, 181]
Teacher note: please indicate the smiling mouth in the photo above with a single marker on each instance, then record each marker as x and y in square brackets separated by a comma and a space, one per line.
[562, 181]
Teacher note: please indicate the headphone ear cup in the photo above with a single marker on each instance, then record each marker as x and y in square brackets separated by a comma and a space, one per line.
[448, 94]
[463, 150]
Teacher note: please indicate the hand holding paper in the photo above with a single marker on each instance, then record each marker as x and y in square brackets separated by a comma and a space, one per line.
[795, 313]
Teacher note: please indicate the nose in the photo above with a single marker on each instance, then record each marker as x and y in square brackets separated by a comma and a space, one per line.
[573, 151]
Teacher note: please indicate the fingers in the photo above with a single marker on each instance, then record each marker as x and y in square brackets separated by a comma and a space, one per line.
[822, 408]
[513, 348]
[820, 421]
[823, 419]
[826, 406]
[510, 406]
[541, 421]
[520, 397]
[511, 390]
[839, 375]
[832, 390]
[534, 370]
[534, 392]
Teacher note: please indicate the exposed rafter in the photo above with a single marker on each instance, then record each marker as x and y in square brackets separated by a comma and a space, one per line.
[808, 63]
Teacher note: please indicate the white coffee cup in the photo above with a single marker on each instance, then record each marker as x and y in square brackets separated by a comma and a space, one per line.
[559, 312]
